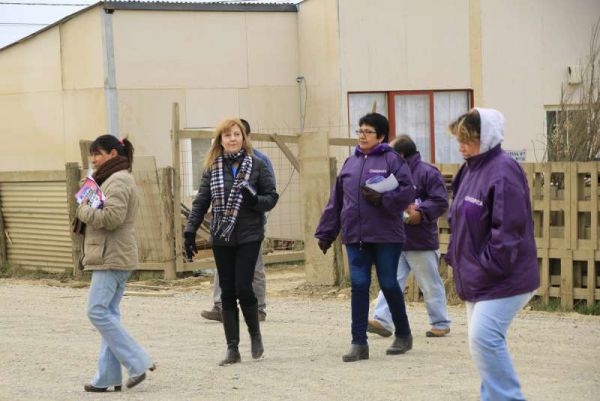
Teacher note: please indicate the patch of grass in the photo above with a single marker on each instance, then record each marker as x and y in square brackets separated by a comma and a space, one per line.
[554, 305]
[10, 271]
[583, 308]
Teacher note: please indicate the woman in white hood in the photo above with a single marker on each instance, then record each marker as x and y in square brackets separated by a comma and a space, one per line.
[492, 249]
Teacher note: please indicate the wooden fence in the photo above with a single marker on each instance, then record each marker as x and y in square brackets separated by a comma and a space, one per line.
[38, 206]
[565, 202]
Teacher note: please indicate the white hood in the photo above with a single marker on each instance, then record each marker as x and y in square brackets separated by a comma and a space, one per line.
[492, 128]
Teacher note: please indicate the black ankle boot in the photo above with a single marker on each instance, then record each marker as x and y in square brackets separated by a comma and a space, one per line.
[252, 321]
[400, 345]
[356, 353]
[231, 324]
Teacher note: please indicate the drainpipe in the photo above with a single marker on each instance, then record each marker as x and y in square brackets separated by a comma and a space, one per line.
[110, 78]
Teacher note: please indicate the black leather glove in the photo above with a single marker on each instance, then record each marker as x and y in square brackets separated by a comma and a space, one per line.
[189, 244]
[324, 245]
[372, 196]
[249, 195]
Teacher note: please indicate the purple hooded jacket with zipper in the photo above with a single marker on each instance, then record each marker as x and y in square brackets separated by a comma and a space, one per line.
[492, 247]
[431, 198]
[360, 221]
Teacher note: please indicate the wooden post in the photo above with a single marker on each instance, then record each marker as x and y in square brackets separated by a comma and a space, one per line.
[566, 280]
[176, 188]
[84, 148]
[315, 186]
[544, 290]
[73, 176]
[591, 282]
[342, 273]
[286, 151]
[3, 249]
[165, 181]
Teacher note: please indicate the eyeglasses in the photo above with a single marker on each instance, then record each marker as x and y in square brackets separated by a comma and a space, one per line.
[365, 132]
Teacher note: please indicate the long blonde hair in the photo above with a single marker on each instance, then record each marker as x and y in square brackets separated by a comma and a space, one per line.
[216, 149]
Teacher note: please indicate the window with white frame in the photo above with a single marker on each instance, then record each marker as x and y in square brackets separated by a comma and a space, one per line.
[423, 115]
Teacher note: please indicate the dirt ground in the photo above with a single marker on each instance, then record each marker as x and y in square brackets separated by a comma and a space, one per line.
[48, 348]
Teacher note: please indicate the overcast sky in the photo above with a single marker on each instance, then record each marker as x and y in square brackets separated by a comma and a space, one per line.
[19, 18]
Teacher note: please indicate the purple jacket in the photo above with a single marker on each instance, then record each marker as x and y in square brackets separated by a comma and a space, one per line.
[360, 221]
[431, 199]
[492, 248]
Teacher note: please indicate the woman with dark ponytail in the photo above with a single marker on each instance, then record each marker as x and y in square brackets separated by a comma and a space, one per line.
[110, 252]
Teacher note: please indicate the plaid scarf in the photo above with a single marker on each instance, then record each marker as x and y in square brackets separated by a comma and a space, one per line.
[225, 215]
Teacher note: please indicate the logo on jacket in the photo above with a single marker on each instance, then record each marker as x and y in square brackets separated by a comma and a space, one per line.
[377, 171]
[474, 201]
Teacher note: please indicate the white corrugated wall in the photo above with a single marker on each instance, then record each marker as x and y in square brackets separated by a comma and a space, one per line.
[36, 220]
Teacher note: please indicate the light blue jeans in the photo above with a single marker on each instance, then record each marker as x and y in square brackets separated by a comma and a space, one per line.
[118, 347]
[424, 265]
[488, 323]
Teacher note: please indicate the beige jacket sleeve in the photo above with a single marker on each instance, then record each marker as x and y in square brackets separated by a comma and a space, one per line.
[114, 212]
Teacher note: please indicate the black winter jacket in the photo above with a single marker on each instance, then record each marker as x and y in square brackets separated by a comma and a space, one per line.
[250, 224]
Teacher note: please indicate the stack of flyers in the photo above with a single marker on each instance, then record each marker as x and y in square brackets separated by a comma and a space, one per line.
[91, 190]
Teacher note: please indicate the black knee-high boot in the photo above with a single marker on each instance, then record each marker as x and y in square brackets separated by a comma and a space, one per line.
[251, 317]
[231, 324]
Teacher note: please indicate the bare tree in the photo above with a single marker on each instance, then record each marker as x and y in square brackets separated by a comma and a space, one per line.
[575, 134]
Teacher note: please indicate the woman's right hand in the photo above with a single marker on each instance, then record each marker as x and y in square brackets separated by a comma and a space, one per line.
[189, 244]
[324, 246]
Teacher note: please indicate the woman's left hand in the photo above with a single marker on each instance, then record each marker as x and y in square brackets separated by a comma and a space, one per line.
[249, 198]
[414, 216]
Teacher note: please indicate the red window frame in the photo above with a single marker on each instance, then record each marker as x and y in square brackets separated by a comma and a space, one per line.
[392, 109]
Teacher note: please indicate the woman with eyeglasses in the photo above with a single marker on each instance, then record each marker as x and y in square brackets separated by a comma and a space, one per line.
[372, 229]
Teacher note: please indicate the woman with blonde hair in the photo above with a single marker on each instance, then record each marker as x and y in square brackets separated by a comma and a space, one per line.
[240, 188]
[492, 247]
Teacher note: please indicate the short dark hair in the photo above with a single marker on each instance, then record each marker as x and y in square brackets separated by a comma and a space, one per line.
[405, 146]
[246, 125]
[379, 122]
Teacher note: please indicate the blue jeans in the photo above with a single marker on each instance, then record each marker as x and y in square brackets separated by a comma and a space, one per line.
[488, 323]
[424, 265]
[118, 347]
[386, 258]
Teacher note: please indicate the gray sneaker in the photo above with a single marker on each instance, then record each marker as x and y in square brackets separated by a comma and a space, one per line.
[213, 314]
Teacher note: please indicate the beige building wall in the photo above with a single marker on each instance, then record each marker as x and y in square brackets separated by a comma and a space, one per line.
[403, 45]
[215, 65]
[250, 72]
[84, 105]
[51, 95]
[526, 48]
[319, 52]
[31, 123]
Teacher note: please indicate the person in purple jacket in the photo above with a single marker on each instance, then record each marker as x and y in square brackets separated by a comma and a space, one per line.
[492, 249]
[420, 253]
[372, 229]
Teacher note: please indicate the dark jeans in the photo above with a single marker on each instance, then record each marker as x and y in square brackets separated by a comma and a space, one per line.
[235, 265]
[386, 258]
